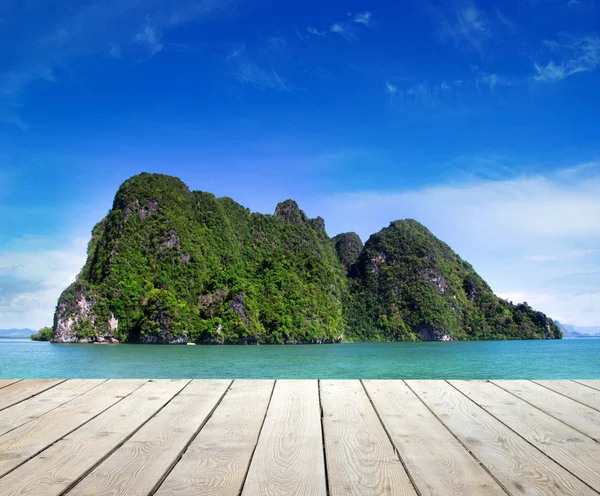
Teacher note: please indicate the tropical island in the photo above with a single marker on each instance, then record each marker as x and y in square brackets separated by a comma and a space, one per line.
[172, 266]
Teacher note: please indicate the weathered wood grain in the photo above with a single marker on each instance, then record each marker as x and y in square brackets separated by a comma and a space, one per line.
[24, 442]
[578, 453]
[27, 410]
[436, 461]
[594, 384]
[140, 464]
[181, 437]
[578, 392]
[360, 458]
[216, 462]
[571, 412]
[289, 454]
[7, 382]
[23, 390]
[59, 466]
[517, 465]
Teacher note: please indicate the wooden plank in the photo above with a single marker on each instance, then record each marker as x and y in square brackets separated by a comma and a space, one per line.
[23, 390]
[515, 463]
[578, 392]
[576, 452]
[141, 463]
[289, 454]
[7, 382]
[361, 460]
[594, 384]
[26, 411]
[22, 443]
[571, 412]
[217, 461]
[436, 461]
[61, 465]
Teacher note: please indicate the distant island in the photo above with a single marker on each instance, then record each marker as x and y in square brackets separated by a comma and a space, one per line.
[573, 331]
[169, 265]
[15, 333]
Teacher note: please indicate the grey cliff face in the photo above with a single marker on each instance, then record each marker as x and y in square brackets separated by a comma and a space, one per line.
[74, 313]
[429, 333]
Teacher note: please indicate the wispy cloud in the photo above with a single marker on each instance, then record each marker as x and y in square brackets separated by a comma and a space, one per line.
[503, 19]
[390, 88]
[490, 79]
[150, 38]
[96, 28]
[348, 29]
[344, 29]
[315, 32]
[363, 18]
[464, 22]
[247, 71]
[114, 50]
[574, 55]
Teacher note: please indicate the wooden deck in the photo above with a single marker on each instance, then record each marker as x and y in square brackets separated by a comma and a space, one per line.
[222, 437]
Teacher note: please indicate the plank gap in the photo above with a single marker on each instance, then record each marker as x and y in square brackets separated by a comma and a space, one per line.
[587, 384]
[9, 383]
[257, 438]
[103, 459]
[524, 439]
[387, 433]
[459, 441]
[67, 433]
[323, 440]
[190, 441]
[545, 411]
[29, 396]
[541, 383]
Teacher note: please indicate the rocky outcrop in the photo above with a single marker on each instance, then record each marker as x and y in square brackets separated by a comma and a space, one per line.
[238, 307]
[348, 247]
[74, 314]
[134, 207]
[435, 277]
[290, 212]
[77, 321]
[429, 333]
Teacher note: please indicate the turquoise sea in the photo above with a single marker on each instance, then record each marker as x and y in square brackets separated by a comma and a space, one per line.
[565, 359]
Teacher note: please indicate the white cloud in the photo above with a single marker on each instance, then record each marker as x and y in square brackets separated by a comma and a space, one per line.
[343, 29]
[577, 55]
[489, 79]
[390, 88]
[90, 29]
[503, 19]
[114, 50]
[465, 22]
[314, 31]
[149, 37]
[32, 277]
[248, 71]
[520, 234]
[363, 18]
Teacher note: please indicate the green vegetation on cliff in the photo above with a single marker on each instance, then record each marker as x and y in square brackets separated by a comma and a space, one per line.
[44, 334]
[168, 265]
[407, 283]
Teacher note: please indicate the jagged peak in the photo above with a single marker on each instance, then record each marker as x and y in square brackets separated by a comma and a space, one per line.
[146, 187]
[289, 211]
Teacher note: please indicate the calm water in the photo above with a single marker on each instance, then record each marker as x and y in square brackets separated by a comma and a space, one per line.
[566, 359]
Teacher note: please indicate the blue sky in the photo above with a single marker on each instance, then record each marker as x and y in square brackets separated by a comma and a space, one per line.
[478, 119]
